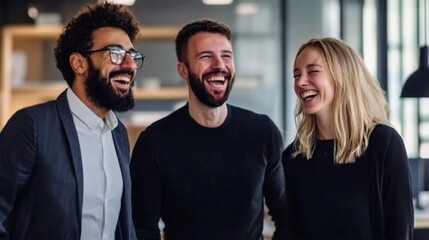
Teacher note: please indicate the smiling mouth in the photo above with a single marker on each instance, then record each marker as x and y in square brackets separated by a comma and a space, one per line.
[308, 95]
[216, 80]
[122, 82]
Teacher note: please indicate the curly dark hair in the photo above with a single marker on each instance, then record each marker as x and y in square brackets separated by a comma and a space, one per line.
[77, 34]
[189, 30]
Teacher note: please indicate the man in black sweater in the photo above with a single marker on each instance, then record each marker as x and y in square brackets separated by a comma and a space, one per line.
[208, 168]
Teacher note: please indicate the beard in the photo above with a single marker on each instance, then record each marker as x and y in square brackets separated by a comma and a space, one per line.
[200, 91]
[101, 93]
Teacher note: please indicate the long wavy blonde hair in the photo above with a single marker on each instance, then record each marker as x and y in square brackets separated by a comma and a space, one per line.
[359, 103]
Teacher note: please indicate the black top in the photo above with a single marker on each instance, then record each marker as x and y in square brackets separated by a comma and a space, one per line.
[368, 199]
[207, 183]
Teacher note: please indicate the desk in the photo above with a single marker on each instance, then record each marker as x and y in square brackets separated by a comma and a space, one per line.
[421, 216]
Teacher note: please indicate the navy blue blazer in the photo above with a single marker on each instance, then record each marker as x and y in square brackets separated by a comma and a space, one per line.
[41, 179]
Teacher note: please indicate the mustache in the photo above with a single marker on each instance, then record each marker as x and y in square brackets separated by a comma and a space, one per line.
[123, 71]
[217, 71]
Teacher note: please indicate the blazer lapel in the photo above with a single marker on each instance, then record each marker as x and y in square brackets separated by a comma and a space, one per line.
[122, 150]
[73, 140]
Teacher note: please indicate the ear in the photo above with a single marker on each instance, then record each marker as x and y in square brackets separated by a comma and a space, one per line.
[78, 63]
[182, 69]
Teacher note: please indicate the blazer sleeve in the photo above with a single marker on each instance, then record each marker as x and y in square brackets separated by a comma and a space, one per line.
[17, 157]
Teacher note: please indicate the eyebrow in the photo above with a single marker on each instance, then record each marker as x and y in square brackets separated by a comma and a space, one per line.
[211, 52]
[119, 46]
[309, 66]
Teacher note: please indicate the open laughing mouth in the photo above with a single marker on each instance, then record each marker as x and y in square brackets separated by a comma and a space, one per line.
[216, 81]
[308, 95]
[122, 81]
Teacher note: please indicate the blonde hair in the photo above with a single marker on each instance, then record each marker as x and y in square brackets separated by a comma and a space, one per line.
[359, 103]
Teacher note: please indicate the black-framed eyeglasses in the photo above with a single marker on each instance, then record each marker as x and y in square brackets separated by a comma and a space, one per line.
[117, 55]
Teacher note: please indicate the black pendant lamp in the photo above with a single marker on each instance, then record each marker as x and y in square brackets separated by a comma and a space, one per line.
[417, 85]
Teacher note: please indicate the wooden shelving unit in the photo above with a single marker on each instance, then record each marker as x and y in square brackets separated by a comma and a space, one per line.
[36, 88]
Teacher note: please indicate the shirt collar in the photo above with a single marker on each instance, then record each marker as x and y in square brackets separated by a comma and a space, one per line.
[81, 111]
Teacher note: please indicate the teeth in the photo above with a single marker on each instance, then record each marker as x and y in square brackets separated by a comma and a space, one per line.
[308, 94]
[121, 78]
[216, 78]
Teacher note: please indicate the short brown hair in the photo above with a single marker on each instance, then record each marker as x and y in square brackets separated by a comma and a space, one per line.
[189, 30]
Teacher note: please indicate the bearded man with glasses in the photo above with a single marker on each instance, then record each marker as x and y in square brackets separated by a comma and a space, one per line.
[64, 164]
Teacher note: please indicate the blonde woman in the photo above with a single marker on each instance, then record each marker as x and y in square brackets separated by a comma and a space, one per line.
[347, 174]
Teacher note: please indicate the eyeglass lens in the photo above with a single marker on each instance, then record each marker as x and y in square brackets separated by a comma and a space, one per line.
[117, 56]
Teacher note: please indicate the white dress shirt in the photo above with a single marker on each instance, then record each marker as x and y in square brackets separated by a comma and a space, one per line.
[102, 178]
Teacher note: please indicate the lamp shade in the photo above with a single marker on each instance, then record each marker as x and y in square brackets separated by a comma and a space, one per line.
[417, 85]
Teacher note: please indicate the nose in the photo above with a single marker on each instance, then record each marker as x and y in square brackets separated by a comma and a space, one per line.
[218, 63]
[301, 80]
[129, 62]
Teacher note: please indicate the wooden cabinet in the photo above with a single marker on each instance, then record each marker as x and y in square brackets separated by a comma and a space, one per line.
[28, 80]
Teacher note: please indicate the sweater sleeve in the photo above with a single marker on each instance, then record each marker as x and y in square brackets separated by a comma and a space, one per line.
[146, 190]
[396, 190]
[288, 228]
[274, 190]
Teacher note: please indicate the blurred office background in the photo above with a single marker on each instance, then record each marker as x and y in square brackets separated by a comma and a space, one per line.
[266, 36]
[267, 33]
